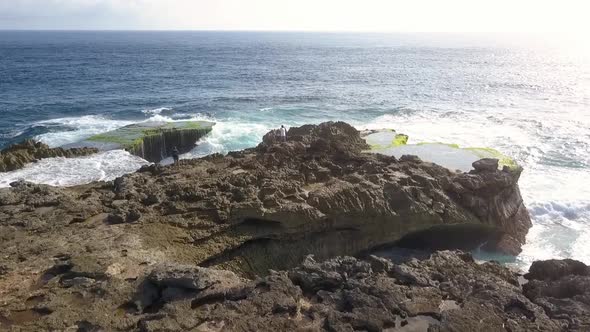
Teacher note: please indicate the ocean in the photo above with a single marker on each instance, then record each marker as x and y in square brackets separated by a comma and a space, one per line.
[528, 99]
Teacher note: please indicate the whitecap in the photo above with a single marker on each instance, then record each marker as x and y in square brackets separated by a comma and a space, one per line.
[66, 172]
[75, 129]
[155, 111]
[229, 136]
[80, 128]
[187, 117]
[11, 134]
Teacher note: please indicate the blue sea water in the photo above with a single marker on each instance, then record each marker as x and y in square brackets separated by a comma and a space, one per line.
[529, 99]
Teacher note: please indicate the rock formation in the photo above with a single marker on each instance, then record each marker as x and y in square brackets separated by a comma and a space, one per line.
[115, 255]
[152, 141]
[18, 155]
[446, 291]
[318, 194]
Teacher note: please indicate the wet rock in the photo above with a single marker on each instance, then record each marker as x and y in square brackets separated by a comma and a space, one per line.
[18, 155]
[410, 158]
[486, 165]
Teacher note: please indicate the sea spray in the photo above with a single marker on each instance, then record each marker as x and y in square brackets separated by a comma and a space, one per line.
[66, 172]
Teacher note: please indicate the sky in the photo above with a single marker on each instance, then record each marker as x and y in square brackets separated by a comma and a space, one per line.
[564, 16]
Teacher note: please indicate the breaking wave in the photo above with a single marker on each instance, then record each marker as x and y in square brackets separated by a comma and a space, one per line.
[104, 166]
[155, 111]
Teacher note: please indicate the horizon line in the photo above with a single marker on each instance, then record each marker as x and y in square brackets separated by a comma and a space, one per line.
[283, 30]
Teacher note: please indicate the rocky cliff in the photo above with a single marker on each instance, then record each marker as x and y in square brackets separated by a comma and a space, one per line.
[18, 155]
[113, 255]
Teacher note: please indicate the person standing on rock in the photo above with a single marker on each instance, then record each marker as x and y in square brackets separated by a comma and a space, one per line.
[175, 155]
[283, 133]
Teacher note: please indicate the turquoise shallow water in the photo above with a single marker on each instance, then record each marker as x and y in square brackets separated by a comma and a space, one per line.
[529, 101]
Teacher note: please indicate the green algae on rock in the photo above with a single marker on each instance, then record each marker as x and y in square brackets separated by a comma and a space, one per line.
[491, 153]
[451, 156]
[383, 139]
[152, 141]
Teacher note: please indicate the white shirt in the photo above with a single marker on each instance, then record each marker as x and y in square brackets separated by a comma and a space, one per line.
[283, 132]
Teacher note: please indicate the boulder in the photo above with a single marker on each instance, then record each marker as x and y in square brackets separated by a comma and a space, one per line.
[555, 269]
[562, 289]
[410, 158]
[486, 165]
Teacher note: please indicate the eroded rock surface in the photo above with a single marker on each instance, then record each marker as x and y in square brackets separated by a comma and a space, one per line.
[446, 291]
[95, 247]
[18, 155]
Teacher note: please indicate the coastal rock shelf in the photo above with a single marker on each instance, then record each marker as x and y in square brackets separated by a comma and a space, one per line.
[152, 141]
[172, 240]
[388, 142]
[18, 155]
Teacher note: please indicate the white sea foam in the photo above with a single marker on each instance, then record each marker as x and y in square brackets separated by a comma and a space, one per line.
[477, 131]
[560, 230]
[155, 111]
[228, 136]
[225, 136]
[80, 128]
[11, 133]
[77, 129]
[103, 166]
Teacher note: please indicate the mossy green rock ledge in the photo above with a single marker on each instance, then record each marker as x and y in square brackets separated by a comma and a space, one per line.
[152, 141]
